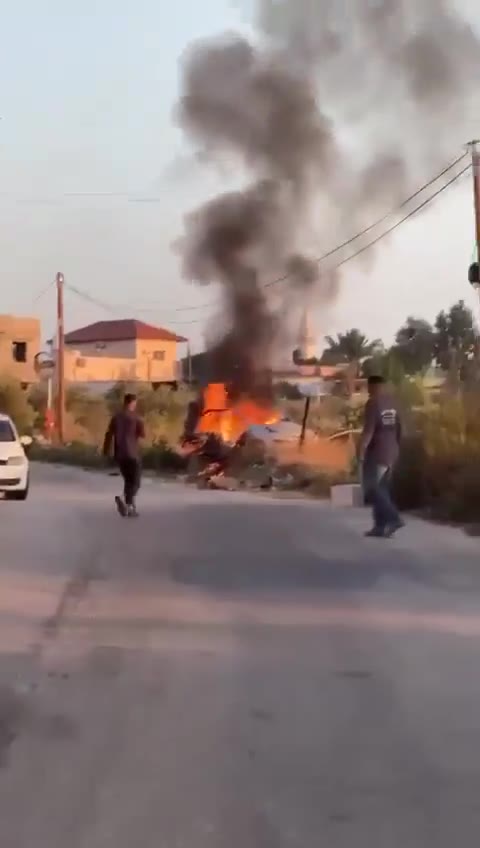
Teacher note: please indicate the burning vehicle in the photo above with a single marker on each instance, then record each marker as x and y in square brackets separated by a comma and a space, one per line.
[230, 442]
[220, 431]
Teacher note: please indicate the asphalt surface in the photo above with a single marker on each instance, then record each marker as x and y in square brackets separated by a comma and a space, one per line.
[232, 670]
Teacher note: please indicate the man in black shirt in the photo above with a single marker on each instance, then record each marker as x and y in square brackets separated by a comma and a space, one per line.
[124, 432]
[378, 451]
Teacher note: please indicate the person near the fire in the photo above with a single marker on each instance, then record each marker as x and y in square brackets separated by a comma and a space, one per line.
[378, 453]
[124, 433]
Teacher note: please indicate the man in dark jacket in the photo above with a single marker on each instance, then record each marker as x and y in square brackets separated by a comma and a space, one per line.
[124, 433]
[378, 452]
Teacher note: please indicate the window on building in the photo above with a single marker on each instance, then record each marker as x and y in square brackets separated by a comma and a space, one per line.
[159, 355]
[19, 351]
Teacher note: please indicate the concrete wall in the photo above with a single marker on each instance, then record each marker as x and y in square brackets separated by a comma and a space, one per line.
[22, 335]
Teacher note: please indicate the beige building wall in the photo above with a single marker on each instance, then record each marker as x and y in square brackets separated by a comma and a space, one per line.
[142, 361]
[156, 361]
[80, 368]
[107, 350]
[20, 341]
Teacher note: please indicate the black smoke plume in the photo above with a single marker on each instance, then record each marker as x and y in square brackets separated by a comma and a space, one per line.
[334, 111]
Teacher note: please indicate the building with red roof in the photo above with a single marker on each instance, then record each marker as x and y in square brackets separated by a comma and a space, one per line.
[125, 350]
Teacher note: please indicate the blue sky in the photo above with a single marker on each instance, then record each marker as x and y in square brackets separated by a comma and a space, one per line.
[86, 99]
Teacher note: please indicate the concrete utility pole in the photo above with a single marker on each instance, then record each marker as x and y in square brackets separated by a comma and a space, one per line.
[60, 361]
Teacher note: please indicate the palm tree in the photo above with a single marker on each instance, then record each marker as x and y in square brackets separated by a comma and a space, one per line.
[352, 347]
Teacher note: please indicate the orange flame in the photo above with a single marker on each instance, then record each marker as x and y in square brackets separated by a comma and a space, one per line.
[231, 420]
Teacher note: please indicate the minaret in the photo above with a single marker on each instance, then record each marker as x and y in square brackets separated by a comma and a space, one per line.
[307, 343]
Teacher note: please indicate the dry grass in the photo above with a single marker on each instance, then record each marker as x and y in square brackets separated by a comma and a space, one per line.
[318, 454]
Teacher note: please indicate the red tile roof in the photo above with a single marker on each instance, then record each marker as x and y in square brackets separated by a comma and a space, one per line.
[120, 331]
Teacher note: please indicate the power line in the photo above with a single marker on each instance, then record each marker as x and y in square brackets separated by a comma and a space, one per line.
[101, 304]
[107, 307]
[286, 276]
[131, 197]
[42, 293]
[382, 235]
[399, 208]
[112, 309]
[381, 220]
[405, 217]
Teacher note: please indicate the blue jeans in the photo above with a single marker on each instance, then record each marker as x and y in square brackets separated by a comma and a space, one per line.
[377, 479]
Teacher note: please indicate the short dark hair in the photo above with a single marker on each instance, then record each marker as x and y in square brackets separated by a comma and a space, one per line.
[376, 380]
[129, 398]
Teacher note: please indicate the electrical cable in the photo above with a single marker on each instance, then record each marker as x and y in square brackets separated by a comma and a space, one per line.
[110, 308]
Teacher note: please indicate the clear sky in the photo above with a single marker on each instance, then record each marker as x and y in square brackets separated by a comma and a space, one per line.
[86, 99]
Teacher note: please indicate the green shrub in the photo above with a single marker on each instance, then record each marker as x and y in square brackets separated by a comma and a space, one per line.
[439, 467]
[410, 478]
[162, 458]
[14, 402]
[159, 457]
[77, 454]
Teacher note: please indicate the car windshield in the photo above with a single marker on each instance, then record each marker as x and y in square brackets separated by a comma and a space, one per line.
[6, 431]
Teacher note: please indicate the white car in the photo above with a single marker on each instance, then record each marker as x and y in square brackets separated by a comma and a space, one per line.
[14, 464]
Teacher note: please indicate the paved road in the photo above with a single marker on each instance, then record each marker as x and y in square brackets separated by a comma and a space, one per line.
[232, 671]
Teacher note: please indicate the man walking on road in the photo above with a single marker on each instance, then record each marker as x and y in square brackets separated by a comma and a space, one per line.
[378, 452]
[125, 431]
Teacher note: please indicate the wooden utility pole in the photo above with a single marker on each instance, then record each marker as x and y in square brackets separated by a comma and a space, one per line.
[474, 272]
[189, 357]
[60, 361]
[475, 150]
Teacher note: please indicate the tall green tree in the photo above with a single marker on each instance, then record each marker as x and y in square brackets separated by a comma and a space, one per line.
[415, 345]
[386, 365]
[352, 346]
[456, 340]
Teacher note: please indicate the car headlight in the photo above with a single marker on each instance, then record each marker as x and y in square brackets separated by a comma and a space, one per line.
[16, 460]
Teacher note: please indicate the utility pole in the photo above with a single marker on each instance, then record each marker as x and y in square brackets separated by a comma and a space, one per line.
[189, 357]
[60, 361]
[475, 151]
[474, 270]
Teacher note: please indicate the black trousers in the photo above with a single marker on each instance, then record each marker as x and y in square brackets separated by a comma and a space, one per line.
[131, 471]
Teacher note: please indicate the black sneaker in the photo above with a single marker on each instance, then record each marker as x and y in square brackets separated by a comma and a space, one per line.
[120, 504]
[394, 528]
[375, 533]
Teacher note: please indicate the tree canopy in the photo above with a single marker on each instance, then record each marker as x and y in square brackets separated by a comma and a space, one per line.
[452, 343]
[456, 339]
[415, 345]
[352, 346]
